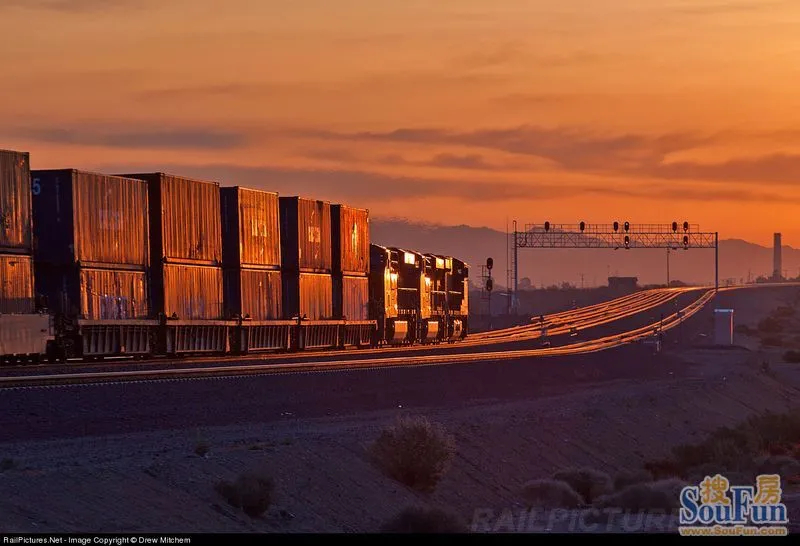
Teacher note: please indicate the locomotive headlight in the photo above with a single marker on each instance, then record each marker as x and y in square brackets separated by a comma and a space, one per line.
[427, 281]
[410, 259]
[393, 276]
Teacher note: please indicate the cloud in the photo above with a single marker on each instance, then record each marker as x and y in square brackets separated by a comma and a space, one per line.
[572, 149]
[76, 6]
[739, 6]
[359, 187]
[776, 168]
[111, 137]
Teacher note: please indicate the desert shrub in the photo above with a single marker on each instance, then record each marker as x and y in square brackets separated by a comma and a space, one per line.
[627, 478]
[772, 341]
[743, 329]
[783, 465]
[415, 452]
[589, 483]
[661, 495]
[770, 325]
[7, 464]
[252, 492]
[425, 520]
[792, 357]
[551, 494]
[734, 448]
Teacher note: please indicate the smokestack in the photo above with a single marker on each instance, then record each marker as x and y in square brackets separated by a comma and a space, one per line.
[777, 267]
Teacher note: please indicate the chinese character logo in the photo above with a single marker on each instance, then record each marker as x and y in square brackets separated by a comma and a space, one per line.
[716, 502]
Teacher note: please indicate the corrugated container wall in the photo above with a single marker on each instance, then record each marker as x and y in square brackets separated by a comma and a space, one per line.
[305, 235]
[192, 292]
[90, 218]
[307, 294]
[350, 240]
[184, 219]
[351, 298]
[16, 284]
[250, 228]
[116, 295]
[15, 201]
[256, 293]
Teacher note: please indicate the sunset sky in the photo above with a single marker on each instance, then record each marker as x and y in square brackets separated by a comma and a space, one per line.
[468, 111]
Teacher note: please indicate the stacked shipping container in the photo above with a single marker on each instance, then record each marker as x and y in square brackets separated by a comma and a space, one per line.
[306, 258]
[186, 247]
[350, 253]
[251, 253]
[92, 251]
[16, 264]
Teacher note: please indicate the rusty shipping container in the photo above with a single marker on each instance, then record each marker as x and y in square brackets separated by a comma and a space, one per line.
[16, 284]
[250, 228]
[305, 235]
[15, 202]
[308, 295]
[184, 219]
[90, 219]
[351, 297]
[350, 240]
[93, 293]
[253, 293]
[188, 292]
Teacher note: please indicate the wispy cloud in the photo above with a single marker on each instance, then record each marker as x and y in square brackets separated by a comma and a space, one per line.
[573, 149]
[137, 137]
[76, 6]
[733, 6]
[359, 186]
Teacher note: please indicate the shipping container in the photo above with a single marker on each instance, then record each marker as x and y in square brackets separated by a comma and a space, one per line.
[351, 297]
[184, 219]
[93, 294]
[90, 219]
[305, 235]
[16, 284]
[250, 228]
[350, 240]
[253, 293]
[15, 202]
[188, 292]
[308, 295]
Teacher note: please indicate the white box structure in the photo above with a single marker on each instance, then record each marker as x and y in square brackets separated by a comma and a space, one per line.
[723, 326]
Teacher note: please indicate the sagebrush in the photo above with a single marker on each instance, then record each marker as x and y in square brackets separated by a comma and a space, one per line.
[251, 491]
[414, 451]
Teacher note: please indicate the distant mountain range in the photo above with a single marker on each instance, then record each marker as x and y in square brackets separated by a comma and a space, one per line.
[739, 260]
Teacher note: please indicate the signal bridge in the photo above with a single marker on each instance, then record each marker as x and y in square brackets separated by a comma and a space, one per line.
[614, 236]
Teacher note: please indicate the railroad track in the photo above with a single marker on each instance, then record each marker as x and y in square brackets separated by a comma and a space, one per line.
[557, 324]
[582, 347]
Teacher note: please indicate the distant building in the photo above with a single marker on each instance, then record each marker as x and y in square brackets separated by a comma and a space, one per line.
[777, 259]
[623, 283]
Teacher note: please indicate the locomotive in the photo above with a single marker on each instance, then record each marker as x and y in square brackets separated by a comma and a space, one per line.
[150, 264]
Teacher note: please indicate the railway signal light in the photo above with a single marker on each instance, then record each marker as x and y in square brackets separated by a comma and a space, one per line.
[685, 241]
[489, 263]
[583, 226]
[489, 284]
[627, 226]
[675, 226]
[686, 226]
[627, 241]
[547, 226]
[616, 226]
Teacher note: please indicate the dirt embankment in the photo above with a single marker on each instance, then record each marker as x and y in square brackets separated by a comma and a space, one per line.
[155, 482]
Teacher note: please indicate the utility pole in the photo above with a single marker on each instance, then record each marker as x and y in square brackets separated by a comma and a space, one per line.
[667, 267]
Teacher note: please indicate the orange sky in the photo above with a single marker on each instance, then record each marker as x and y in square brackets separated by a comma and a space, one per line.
[468, 111]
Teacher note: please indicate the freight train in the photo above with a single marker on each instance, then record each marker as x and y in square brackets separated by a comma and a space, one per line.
[149, 264]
